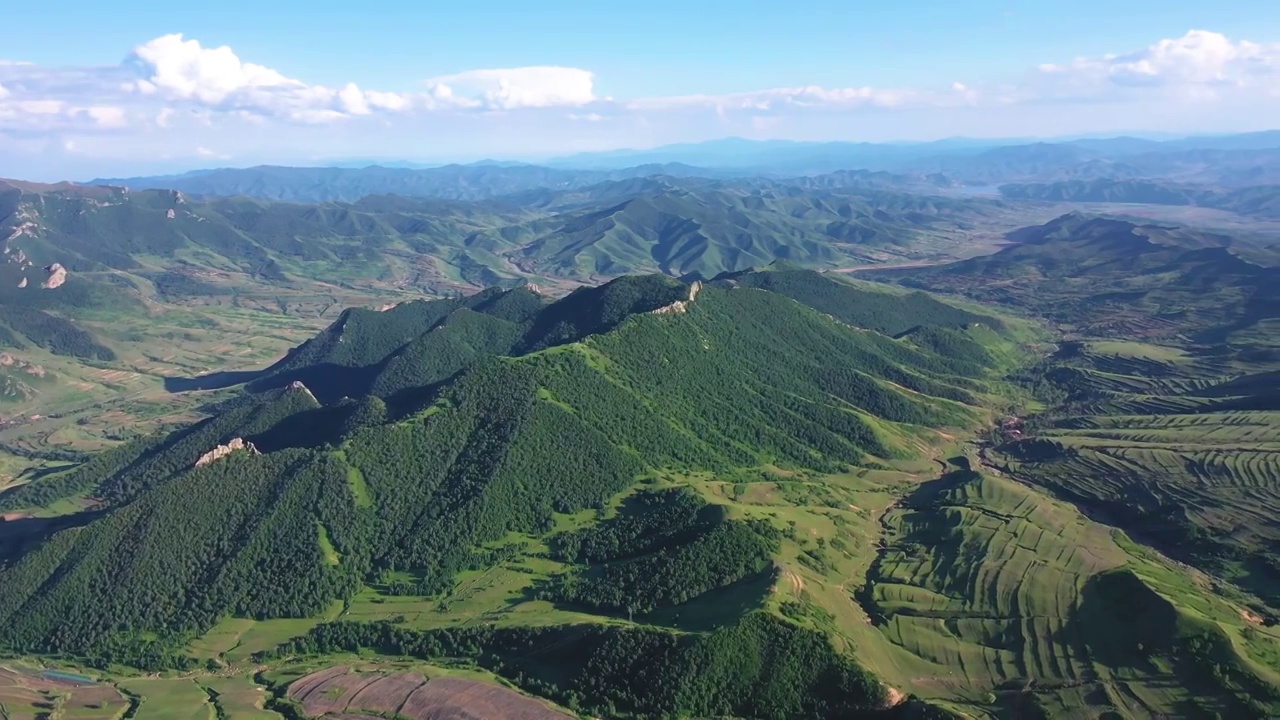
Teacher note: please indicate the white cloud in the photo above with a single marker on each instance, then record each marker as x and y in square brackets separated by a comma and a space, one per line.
[516, 88]
[1198, 61]
[352, 100]
[185, 69]
[206, 153]
[177, 69]
[173, 94]
[40, 107]
[107, 116]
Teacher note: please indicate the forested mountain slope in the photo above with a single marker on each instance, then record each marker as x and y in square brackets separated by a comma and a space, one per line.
[649, 498]
[641, 378]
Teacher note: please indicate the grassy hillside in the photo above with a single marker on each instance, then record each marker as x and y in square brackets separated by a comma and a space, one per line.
[1179, 447]
[1155, 414]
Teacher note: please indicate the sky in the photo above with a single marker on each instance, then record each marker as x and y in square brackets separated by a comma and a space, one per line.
[90, 89]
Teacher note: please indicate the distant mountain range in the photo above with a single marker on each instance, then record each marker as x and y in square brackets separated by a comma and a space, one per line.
[467, 182]
[793, 156]
[116, 246]
[1230, 161]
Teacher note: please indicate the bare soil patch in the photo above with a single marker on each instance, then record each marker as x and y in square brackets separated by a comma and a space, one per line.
[339, 693]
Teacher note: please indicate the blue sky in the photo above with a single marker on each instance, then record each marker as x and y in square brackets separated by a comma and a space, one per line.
[109, 86]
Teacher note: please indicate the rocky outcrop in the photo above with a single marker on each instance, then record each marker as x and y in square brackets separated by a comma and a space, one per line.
[26, 228]
[297, 385]
[224, 450]
[57, 276]
[680, 306]
[10, 361]
[170, 213]
[22, 283]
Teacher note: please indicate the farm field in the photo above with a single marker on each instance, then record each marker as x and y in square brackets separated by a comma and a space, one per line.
[981, 594]
[408, 694]
[236, 639]
[27, 694]
[1182, 451]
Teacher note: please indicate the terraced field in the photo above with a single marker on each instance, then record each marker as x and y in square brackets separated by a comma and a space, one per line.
[1182, 451]
[27, 693]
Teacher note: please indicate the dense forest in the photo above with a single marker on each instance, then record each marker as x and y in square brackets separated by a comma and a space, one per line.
[762, 667]
[664, 549]
[739, 379]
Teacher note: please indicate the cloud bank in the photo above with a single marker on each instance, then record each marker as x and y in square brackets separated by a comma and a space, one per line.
[173, 98]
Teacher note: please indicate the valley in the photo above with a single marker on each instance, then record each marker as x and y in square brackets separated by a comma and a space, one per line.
[637, 446]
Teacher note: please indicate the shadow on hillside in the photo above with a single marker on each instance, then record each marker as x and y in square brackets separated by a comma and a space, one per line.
[19, 536]
[211, 381]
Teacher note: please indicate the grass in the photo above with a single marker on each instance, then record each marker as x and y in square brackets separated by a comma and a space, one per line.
[238, 698]
[331, 556]
[958, 589]
[235, 640]
[169, 699]
[1130, 349]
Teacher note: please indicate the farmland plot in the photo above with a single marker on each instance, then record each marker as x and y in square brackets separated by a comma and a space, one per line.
[341, 692]
[1189, 461]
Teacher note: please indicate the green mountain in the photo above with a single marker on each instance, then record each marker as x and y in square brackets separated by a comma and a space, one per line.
[163, 292]
[526, 414]
[747, 496]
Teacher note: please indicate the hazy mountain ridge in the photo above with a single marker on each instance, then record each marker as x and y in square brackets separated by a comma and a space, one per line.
[1261, 201]
[1102, 270]
[636, 225]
